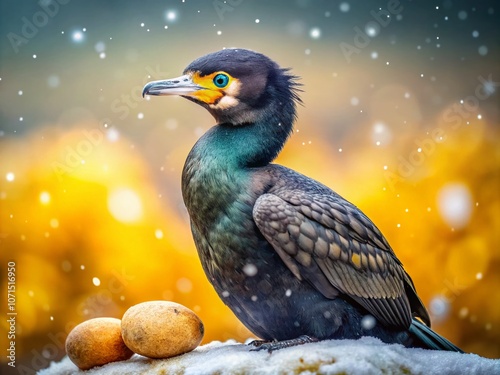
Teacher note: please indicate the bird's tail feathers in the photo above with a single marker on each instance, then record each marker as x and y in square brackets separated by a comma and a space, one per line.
[431, 339]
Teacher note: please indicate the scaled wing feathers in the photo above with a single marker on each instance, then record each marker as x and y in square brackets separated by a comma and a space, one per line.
[329, 242]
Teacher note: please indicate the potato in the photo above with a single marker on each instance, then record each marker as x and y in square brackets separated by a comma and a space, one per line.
[161, 329]
[96, 342]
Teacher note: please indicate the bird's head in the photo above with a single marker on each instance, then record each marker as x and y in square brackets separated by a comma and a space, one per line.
[237, 86]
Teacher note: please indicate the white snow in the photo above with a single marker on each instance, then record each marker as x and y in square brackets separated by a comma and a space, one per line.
[367, 356]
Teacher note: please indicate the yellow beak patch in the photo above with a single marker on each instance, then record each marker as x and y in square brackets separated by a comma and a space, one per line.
[210, 93]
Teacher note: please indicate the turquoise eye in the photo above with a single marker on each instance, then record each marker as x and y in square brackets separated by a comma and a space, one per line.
[221, 80]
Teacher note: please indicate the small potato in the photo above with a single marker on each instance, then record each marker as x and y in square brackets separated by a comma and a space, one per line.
[161, 329]
[96, 342]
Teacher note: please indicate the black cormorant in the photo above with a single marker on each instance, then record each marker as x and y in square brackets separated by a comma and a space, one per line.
[293, 260]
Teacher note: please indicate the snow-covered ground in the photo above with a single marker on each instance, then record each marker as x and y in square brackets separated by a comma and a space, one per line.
[367, 356]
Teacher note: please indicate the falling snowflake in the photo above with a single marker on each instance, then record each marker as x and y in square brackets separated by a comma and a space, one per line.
[315, 33]
[250, 269]
[368, 322]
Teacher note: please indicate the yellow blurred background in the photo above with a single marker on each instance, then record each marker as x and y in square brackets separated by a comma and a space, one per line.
[90, 204]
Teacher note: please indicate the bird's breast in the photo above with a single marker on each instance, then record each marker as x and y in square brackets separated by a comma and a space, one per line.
[220, 201]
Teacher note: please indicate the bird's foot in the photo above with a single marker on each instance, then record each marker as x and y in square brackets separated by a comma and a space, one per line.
[272, 345]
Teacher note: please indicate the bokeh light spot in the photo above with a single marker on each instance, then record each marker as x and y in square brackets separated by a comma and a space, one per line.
[54, 223]
[315, 33]
[125, 205]
[100, 47]
[344, 7]
[53, 81]
[159, 234]
[439, 307]
[184, 285]
[372, 29]
[66, 265]
[44, 198]
[381, 134]
[171, 15]
[77, 36]
[455, 205]
[112, 134]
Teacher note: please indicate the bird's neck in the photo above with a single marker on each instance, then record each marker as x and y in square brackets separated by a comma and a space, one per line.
[218, 169]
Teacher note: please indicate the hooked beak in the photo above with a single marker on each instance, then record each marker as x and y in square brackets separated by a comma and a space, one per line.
[182, 85]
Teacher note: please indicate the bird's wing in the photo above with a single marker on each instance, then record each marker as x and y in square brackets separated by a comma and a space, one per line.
[311, 231]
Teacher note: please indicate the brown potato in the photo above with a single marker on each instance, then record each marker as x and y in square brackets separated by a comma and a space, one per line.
[161, 329]
[96, 342]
